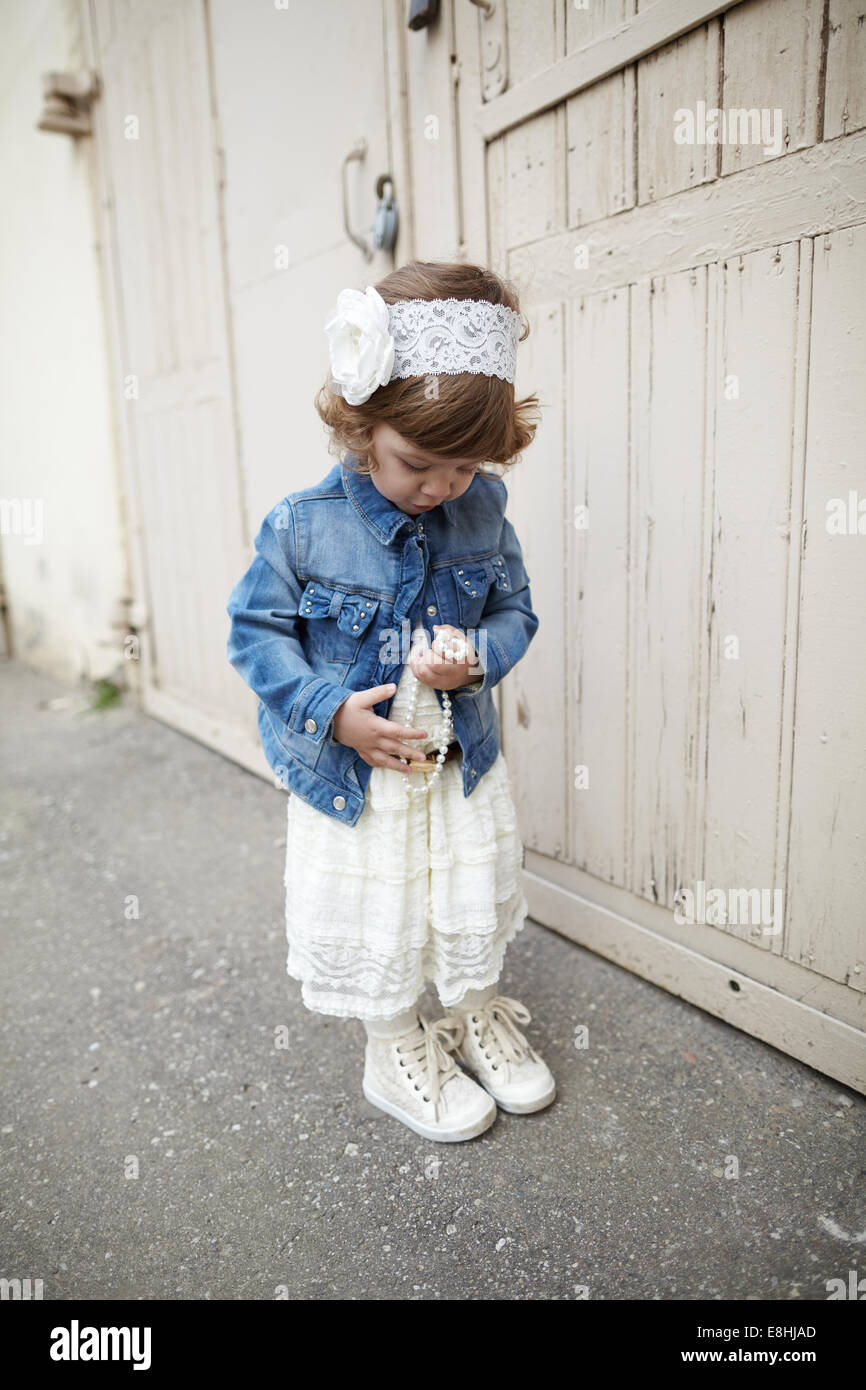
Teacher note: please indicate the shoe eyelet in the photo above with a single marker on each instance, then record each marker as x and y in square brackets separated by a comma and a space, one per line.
[402, 1063]
[416, 1088]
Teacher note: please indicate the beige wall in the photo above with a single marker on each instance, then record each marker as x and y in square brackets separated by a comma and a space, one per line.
[65, 577]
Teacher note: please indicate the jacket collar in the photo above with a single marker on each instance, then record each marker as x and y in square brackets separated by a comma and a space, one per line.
[377, 513]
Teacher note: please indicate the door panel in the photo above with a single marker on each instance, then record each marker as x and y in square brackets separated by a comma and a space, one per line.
[826, 918]
[160, 160]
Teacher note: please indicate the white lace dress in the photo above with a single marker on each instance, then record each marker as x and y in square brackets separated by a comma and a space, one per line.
[419, 889]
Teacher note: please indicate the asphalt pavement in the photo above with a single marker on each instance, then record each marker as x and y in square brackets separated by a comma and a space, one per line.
[175, 1123]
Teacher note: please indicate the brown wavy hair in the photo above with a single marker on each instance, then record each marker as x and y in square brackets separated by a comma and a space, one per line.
[474, 416]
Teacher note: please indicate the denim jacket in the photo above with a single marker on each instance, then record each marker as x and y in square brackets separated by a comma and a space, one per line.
[339, 580]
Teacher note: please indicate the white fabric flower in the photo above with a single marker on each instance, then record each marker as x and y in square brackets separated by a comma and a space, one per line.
[360, 344]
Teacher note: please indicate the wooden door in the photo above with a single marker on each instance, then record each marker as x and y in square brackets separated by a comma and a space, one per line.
[161, 184]
[699, 345]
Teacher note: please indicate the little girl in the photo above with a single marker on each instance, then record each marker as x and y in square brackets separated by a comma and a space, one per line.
[403, 854]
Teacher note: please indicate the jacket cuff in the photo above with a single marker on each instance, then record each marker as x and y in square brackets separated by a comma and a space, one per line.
[494, 670]
[315, 707]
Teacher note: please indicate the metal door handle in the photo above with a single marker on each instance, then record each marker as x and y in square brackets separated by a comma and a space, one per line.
[359, 151]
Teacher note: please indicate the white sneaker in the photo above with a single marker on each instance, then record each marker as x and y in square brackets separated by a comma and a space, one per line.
[497, 1053]
[415, 1079]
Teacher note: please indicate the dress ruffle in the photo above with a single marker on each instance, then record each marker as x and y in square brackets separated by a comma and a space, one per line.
[421, 889]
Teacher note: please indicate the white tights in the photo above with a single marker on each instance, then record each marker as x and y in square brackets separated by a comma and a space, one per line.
[407, 1021]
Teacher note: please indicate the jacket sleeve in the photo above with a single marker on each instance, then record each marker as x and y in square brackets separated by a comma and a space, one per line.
[264, 645]
[507, 619]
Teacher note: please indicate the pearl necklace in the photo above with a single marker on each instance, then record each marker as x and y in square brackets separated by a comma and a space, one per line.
[446, 730]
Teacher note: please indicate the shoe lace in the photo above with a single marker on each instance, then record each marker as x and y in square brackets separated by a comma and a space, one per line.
[428, 1055]
[499, 1036]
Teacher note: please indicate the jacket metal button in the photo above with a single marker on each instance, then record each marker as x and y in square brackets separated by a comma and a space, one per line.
[339, 803]
[431, 609]
[310, 725]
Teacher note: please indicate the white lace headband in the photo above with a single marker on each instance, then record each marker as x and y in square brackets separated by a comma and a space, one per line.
[371, 342]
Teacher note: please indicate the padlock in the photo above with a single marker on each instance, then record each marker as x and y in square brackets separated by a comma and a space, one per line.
[385, 218]
[422, 13]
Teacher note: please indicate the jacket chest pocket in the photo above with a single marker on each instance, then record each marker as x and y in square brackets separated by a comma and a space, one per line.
[336, 620]
[474, 580]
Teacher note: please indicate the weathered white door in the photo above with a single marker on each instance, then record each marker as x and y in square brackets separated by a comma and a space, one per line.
[687, 730]
[161, 183]
[223, 132]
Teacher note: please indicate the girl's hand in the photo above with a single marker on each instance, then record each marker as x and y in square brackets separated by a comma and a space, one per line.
[442, 670]
[376, 739]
